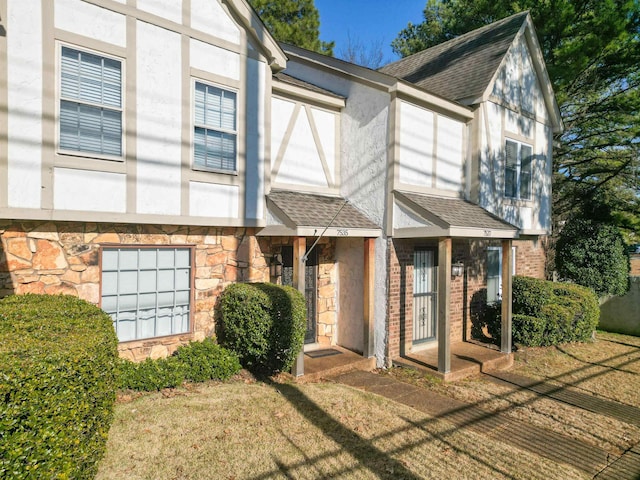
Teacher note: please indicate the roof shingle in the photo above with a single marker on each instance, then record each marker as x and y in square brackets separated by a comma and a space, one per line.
[461, 68]
[309, 210]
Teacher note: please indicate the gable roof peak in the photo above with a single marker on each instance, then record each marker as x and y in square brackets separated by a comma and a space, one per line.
[462, 67]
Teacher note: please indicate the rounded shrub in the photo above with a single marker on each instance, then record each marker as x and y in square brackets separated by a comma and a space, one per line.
[593, 254]
[530, 294]
[195, 362]
[58, 362]
[263, 323]
[150, 374]
[207, 360]
[528, 330]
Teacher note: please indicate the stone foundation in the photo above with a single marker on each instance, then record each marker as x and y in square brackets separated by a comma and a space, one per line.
[64, 258]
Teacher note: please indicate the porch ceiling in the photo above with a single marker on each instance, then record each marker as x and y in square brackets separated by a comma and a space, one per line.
[307, 215]
[450, 217]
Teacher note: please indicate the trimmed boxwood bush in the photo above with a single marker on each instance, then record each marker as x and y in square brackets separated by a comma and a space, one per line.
[547, 313]
[195, 362]
[58, 360]
[263, 323]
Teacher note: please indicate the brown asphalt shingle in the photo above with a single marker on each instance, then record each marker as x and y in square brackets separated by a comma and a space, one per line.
[309, 210]
[457, 212]
[461, 68]
[283, 77]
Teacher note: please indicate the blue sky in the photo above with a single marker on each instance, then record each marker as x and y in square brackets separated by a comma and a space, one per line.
[367, 21]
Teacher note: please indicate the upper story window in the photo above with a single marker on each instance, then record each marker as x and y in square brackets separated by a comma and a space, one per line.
[517, 170]
[90, 103]
[215, 130]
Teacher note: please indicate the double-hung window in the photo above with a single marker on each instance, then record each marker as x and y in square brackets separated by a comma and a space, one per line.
[215, 128]
[517, 170]
[90, 103]
[147, 290]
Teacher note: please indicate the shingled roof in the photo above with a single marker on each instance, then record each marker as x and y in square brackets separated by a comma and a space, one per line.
[461, 68]
[456, 212]
[310, 210]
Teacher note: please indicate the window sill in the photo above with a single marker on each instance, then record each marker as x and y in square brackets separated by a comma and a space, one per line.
[215, 170]
[517, 202]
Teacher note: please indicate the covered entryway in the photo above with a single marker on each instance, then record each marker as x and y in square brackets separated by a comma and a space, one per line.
[327, 250]
[434, 296]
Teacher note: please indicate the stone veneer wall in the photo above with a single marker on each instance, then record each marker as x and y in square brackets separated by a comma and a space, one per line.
[64, 258]
[468, 293]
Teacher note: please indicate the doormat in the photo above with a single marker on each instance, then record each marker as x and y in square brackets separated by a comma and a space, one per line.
[327, 352]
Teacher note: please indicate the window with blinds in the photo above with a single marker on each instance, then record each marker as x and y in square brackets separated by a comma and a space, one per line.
[90, 103]
[517, 170]
[215, 131]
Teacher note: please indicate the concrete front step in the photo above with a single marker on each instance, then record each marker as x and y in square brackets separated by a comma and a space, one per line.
[331, 365]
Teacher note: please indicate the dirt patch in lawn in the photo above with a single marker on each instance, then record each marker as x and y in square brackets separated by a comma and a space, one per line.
[607, 368]
[258, 430]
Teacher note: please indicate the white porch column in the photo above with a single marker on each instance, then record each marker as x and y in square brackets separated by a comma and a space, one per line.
[299, 249]
[507, 298]
[444, 299]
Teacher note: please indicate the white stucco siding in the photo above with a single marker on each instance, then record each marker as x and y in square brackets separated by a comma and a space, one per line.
[416, 145]
[491, 164]
[542, 175]
[24, 93]
[210, 58]
[518, 124]
[210, 17]
[350, 260]
[450, 147]
[325, 123]
[159, 114]
[255, 146]
[281, 111]
[301, 164]
[211, 200]
[91, 21]
[89, 191]
[169, 9]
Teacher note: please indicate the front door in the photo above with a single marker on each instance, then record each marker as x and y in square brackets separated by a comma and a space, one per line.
[424, 296]
[310, 287]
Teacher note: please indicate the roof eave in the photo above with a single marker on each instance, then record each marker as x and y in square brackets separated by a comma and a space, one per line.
[256, 28]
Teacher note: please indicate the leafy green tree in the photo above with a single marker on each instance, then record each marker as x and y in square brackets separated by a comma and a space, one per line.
[592, 51]
[293, 21]
[593, 254]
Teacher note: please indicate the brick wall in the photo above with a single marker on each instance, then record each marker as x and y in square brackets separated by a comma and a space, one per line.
[468, 292]
[64, 258]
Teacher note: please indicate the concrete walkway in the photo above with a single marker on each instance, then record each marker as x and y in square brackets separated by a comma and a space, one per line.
[588, 458]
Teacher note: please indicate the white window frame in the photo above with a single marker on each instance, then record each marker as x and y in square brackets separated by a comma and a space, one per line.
[217, 129]
[60, 98]
[127, 300]
[520, 184]
[499, 275]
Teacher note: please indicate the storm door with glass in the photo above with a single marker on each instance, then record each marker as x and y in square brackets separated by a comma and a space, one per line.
[424, 296]
[310, 287]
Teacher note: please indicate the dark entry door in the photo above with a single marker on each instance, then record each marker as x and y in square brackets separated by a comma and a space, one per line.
[310, 287]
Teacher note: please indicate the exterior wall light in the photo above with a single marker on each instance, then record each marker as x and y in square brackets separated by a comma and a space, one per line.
[275, 268]
[457, 269]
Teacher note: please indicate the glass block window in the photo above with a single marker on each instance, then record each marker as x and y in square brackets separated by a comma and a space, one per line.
[90, 103]
[517, 170]
[215, 130]
[147, 291]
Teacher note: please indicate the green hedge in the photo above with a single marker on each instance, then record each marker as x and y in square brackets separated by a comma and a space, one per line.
[548, 313]
[263, 323]
[58, 360]
[195, 362]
